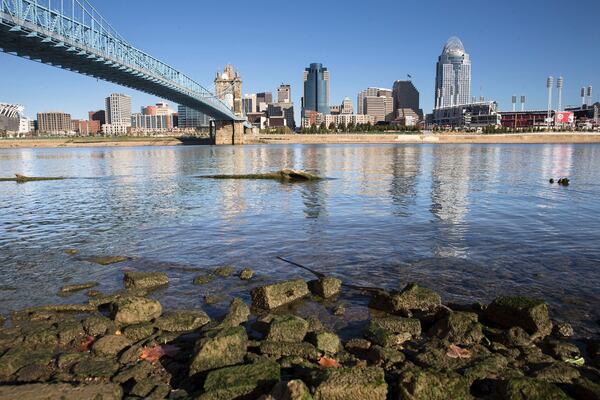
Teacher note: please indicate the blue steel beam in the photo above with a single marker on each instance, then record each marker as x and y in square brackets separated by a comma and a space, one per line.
[72, 35]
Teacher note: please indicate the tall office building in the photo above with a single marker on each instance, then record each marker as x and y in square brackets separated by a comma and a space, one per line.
[376, 102]
[118, 110]
[453, 75]
[263, 100]
[406, 96]
[188, 118]
[284, 94]
[316, 89]
[249, 103]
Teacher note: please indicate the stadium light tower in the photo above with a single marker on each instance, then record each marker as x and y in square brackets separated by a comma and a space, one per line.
[589, 93]
[522, 103]
[514, 103]
[583, 102]
[559, 85]
[549, 84]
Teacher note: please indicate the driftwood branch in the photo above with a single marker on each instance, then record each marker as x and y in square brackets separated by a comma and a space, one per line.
[321, 275]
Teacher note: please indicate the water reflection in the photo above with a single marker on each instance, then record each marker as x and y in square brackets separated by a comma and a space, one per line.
[468, 220]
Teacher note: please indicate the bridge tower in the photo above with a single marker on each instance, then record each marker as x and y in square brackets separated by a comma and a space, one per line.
[228, 88]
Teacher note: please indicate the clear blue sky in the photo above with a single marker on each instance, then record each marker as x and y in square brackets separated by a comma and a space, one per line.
[514, 46]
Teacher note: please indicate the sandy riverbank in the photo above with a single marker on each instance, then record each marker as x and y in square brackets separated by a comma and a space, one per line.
[88, 142]
[565, 137]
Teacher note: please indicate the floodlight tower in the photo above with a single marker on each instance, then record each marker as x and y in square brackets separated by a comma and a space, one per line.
[583, 102]
[514, 103]
[559, 85]
[522, 103]
[589, 93]
[549, 84]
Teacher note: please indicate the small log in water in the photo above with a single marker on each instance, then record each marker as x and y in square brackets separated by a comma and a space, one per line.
[23, 179]
[285, 175]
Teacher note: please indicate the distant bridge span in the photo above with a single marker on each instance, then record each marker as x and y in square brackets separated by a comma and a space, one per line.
[72, 35]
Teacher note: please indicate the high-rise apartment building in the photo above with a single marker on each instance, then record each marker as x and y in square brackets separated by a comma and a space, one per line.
[249, 104]
[453, 75]
[284, 94]
[54, 122]
[406, 96]
[188, 118]
[316, 89]
[118, 110]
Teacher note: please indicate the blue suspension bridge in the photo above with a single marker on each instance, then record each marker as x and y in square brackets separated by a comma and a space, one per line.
[71, 34]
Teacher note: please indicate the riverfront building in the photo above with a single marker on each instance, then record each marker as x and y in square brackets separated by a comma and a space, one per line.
[453, 75]
[54, 122]
[191, 119]
[473, 115]
[316, 89]
[406, 96]
[118, 109]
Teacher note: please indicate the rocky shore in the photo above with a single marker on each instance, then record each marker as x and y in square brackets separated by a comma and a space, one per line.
[125, 345]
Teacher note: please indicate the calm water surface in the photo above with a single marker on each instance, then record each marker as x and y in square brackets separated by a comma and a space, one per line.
[471, 221]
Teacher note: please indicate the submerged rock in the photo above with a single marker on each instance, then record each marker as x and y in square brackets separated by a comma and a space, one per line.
[145, 280]
[242, 381]
[411, 298]
[352, 384]
[68, 289]
[220, 349]
[287, 328]
[246, 274]
[529, 314]
[204, 279]
[182, 321]
[276, 295]
[107, 260]
[225, 271]
[287, 175]
[135, 310]
[325, 287]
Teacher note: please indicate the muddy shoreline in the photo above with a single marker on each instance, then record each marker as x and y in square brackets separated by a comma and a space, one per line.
[410, 345]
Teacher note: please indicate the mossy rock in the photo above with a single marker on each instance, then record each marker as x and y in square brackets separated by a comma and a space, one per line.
[459, 328]
[411, 298]
[145, 280]
[287, 328]
[531, 389]
[219, 349]
[272, 296]
[204, 279]
[325, 287]
[135, 310]
[225, 271]
[238, 314]
[527, 313]
[182, 321]
[279, 349]
[352, 384]
[416, 384]
[241, 381]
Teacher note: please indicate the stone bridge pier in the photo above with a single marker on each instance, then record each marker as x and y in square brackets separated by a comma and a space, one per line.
[227, 132]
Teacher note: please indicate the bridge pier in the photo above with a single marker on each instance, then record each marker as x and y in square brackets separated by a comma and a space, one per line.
[227, 132]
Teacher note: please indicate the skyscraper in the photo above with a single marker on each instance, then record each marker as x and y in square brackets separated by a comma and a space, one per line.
[406, 96]
[189, 118]
[118, 110]
[377, 102]
[316, 89]
[453, 75]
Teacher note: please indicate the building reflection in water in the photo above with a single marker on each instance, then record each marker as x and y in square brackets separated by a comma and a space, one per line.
[405, 166]
[450, 176]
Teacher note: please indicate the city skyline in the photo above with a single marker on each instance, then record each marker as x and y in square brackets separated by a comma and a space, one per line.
[497, 73]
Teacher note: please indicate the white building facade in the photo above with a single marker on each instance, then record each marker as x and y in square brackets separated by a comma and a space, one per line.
[453, 75]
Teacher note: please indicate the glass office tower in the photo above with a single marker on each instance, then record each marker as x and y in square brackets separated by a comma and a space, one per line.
[316, 89]
[453, 75]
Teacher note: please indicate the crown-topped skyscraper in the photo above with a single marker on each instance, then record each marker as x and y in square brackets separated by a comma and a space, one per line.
[453, 75]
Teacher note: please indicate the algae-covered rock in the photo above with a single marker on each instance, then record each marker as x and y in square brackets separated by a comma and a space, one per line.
[17, 358]
[558, 373]
[561, 350]
[95, 368]
[203, 279]
[220, 349]
[238, 314]
[529, 314]
[396, 325]
[287, 328]
[63, 391]
[246, 274]
[292, 390]
[107, 260]
[225, 271]
[276, 295]
[110, 345]
[96, 325]
[145, 280]
[326, 342]
[384, 337]
[584, 388]
[488, 367]
[411, 298]
[182, 321]
[143, 387]
[531, 389]
[285, 175]
[242, 381]
[138, 332]
[352, 384]
[458, 328]
[135, 310]
[415, 384]
[386, 355]
[68, 289]
[279, 349]
[325, 287]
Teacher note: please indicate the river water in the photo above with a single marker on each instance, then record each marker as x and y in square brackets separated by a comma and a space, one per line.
[470, 221]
